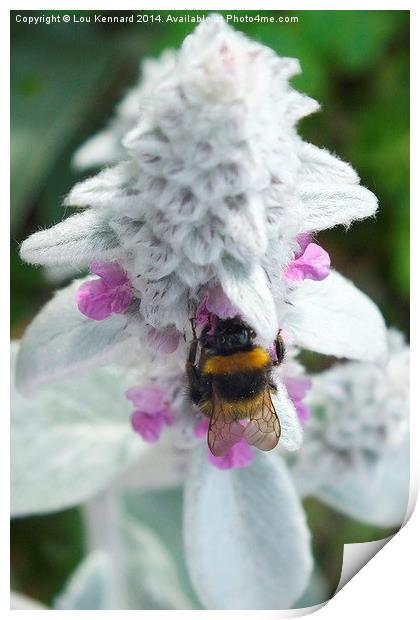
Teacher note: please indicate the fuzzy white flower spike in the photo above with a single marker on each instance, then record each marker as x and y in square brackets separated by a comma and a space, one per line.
[215, 188]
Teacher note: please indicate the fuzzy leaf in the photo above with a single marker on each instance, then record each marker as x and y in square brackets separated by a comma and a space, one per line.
[100, 150]
[320, 166]
[150, 573]
[250, 293]
[116, 186]
[329, 205]
[69, 441]
[61, 341]
[77, 240]
[377, 494]
[162, 513]
[21, 601]
[317, 592]
[235, 561]
[333, 317]
[291, 430]
[91, 586]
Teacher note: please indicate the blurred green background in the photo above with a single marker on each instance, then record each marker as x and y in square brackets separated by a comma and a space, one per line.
[65, 82]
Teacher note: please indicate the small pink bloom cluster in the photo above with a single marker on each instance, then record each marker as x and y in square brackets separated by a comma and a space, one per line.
[311, 261]
[215, 304]
[163, 340]
[152, 412]
[111, 293]
[297, 388]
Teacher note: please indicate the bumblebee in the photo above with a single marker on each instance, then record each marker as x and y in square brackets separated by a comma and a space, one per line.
[231, 383]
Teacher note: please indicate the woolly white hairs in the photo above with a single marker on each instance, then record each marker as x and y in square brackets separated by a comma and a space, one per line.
[106, 147]
[215, 186]
[360, 413]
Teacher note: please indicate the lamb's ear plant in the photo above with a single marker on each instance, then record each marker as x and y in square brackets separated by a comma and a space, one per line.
[211, 213]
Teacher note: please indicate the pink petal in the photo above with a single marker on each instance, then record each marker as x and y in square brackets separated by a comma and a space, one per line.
[314, 264]
[304, 239]
[202, 316]
[272, 352]
[163, 340]
[297, 387]
[201, 427]
[148, 426]
[120, 298]
[110, 294]
[111, 273]
[240, 455]
[167, 416]
[150, 399]
[214, 304]
[219, 304]
[93, 300]
[303, 411]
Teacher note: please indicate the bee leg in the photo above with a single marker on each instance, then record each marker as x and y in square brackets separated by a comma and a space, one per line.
[193, 373]
[280, 349]
[195, 390]
[193, 324]
[192, 354]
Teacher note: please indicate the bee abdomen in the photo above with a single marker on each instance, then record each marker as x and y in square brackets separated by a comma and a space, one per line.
[240, 385]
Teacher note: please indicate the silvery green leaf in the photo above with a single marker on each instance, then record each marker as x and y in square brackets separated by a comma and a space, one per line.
[317, 592]
[21, 601]
[247, 541]
[115, 187]
[291, 430]
[335, 318]
[91, 586]
[355, 455]
[150, 573]
[58, 275]
[377, 494]
[320, 166]
[99, 150]
[330, 205]
[250, 293]
[161, 467]
[161, 511]
[76, 240]
[68, 442]
[61, 341]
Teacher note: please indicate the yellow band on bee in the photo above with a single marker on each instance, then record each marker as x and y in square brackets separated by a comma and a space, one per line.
[243, 361]
[233, 409]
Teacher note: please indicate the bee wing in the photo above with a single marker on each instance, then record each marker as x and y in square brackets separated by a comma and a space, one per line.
[263, 429]
[223, 432]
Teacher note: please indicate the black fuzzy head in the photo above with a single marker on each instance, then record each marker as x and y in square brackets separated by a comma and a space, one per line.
[230, 336]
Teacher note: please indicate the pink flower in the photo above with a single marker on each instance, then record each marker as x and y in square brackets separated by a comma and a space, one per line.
[152, 411]
[311, 261]
[147, 426]
[163, 340]
[201, 427]
[240, 455]
[297, 387]
[304, 239]
[110, 294]
[214, 304]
